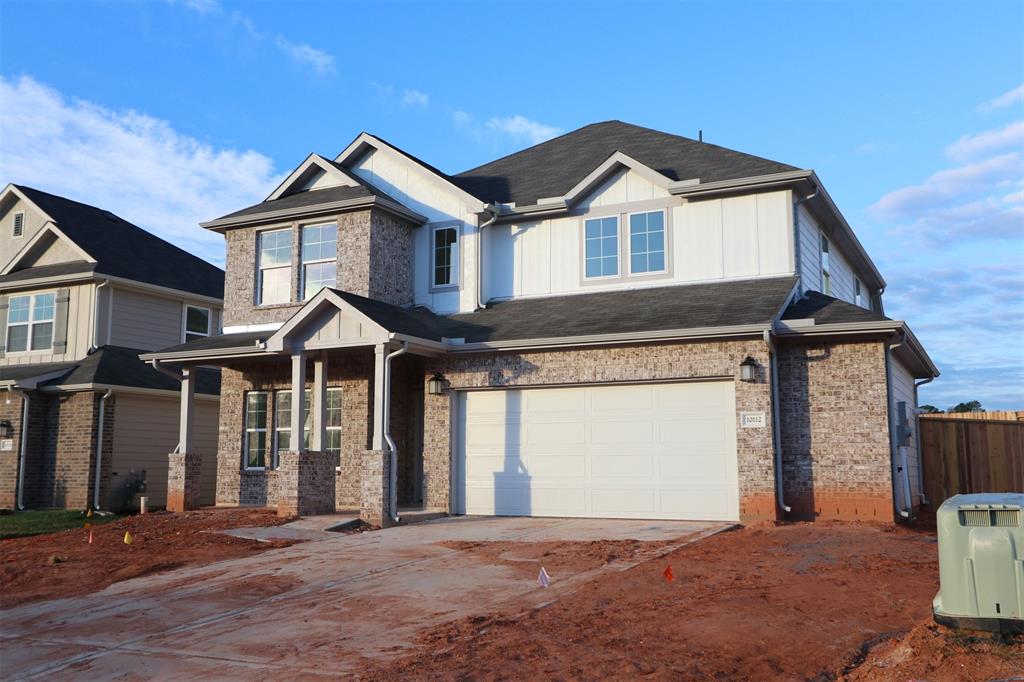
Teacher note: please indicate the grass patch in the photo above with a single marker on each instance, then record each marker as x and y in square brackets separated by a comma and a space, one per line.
[21, 524]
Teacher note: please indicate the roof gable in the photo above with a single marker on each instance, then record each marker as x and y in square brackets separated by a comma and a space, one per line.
[315, 172]
[49, 246]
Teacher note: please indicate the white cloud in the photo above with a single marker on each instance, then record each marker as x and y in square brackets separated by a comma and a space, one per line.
[523, 128]
[127, 162]
[321, 61]
[1004, 100]
[415, 98]
[990, 141]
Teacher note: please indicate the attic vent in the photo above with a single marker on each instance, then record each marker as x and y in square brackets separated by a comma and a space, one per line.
[1007, 517]
[975, 517]
[19, 224]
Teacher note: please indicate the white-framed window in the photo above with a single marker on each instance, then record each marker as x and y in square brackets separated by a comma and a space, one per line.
[445, 256]
[601, 247]
[18, 230]
[283, 422]
[255, 446]
[197, 322]
[858, 297]
[647, 242]
[275, 267]
[826, 269]
[319, 258]
[333, 422]
[30, 322]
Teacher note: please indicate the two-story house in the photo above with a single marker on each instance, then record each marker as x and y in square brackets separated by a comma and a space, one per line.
[618, 322]
[83, 421]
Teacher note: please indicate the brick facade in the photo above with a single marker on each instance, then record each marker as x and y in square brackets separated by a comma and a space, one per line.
[305, 484]
[374, 260]
[835, 431]
[183, 481]
[10, 411]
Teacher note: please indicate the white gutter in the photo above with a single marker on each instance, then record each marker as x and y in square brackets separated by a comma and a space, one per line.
[917, 437]
[96, 316]
[358, 202]
[898, 454]
[392, 446]
[22, 445]
[780, 497]
[99, 451]
[493, 210]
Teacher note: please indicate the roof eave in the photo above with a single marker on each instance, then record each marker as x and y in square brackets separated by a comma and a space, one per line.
[306, 211]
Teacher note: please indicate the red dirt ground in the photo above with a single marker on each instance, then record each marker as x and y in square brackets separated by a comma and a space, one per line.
[64, 564]
[799, 601]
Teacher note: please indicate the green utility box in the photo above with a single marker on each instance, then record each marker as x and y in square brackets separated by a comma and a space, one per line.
[981, 562]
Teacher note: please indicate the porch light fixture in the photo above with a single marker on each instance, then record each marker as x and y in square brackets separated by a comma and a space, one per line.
[748, 370]
[437, 385]
[6, 430]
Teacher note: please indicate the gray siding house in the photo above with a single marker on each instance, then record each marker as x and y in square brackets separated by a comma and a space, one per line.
[83, 421]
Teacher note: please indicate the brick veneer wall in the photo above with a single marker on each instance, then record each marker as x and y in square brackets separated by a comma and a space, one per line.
[11, 412]
[375, 259]
[835, 431]
[613, 364]
[183, 481]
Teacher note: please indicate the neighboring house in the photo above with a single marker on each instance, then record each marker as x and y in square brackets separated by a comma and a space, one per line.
[615, 323]
[82, 293]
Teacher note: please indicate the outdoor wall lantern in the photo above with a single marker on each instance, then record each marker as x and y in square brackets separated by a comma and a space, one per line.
[6, 430]
[748, 370]
[437, 385]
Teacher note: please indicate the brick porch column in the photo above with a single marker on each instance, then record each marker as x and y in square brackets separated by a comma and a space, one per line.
[305, 483]
[183, 481]
[373, 488]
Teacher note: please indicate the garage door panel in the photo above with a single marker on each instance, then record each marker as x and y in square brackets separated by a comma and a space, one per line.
[646, 451]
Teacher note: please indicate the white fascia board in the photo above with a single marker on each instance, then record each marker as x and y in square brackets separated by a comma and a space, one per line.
[11, 189]
[30, 383]
[611, 165]
[686, 188]
[320, 162]
[49, 227]
[124, 283]
[47, 281]
[155, 392]
[204, 355]
[364, 139]
[246, 328]
[315, 209]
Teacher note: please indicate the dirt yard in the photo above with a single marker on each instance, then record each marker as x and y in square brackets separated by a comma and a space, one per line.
[792, 602]
[65, 564]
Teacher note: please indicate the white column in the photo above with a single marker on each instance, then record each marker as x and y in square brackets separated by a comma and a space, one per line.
[379, 353]
[318, 436]
[298, 401]
[188, 395]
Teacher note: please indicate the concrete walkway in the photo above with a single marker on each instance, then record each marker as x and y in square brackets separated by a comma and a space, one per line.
[312, 609]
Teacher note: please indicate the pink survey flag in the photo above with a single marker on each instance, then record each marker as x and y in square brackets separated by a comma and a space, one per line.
[544, 579]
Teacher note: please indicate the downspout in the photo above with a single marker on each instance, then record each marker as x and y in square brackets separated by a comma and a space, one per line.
[96, 317]
[780, 497]
[897, 454]
[917, 438]
[392, 447]
[177, 376]
[22, 446]
[99, 451]
[493, 210]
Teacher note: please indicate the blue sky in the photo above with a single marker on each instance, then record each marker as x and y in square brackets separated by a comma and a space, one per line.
[912, 114]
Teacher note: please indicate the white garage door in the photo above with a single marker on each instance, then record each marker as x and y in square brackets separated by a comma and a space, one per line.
[652, 451]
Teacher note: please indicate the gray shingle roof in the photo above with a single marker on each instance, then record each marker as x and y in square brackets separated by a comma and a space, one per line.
[305, 200]
[828, 310]
[55, 270]
[552, 168]
[122, 249]
[221, 342]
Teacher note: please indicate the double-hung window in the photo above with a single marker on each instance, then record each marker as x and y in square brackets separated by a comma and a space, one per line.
[30, 322]
[255, 455]
[319, 256]
[275, 267]
[601, 250]
[283, 422]
[647, 242]
[333, 422]
[197, 323]
[445, 256]
[826, 269]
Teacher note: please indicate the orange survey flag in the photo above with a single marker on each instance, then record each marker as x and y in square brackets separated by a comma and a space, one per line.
[669, 575]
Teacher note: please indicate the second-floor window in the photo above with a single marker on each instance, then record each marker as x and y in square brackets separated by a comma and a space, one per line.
[30, 323]
[826, 268]
[445, 256]
[647, 242]
[197, 323]
[601, 255]
[319, 256]
[275, 267]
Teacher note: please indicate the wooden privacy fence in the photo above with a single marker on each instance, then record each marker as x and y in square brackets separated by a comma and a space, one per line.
[969, 453]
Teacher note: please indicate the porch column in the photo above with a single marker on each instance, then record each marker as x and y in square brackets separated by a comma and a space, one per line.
[188, 399]
[380, 351]
[183, 466]
[374, 470]
[318, 436]
[298, 402]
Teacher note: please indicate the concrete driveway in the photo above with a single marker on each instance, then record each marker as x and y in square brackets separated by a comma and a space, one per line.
[319, 608]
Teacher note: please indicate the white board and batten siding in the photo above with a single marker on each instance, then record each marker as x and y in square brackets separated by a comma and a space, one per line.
[717, 239]
[842, 275]
[148, 321]
[645, 451]
[902, 389]
[146, 431]
[423, 192]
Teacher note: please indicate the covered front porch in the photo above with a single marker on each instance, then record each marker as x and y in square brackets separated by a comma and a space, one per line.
[361, 416]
